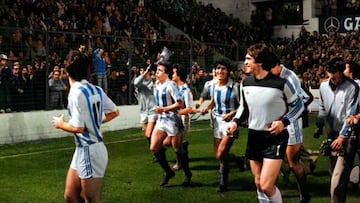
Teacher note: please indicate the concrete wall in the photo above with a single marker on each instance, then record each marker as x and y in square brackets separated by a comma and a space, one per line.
[36, 125]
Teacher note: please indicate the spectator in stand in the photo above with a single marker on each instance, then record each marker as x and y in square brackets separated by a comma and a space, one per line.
[26, 85]
[100, 69]
[124, 95]
[39, 87]
[16, 87]
[5, 77]
[56, 91]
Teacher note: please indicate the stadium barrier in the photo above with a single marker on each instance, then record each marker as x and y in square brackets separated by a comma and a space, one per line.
[36, 125]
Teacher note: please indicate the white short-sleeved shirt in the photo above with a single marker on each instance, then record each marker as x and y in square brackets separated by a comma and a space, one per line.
[86, 106]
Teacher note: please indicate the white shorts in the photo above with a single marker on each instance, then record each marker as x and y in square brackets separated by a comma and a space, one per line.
[145, 117]
[167, 125]
[219, 126]
[90, 161]
[295, 131]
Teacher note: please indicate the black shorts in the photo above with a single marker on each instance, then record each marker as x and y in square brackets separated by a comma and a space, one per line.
[262, 144]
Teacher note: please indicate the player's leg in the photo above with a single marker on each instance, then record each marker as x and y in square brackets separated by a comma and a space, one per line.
[178, 141]
[156, 146]
[150, 124]
[293, 160]
[149, 128]
[222, 154]
[269, 173]
[72, 187]
[91, 189]
[92, 167]
[255, 167]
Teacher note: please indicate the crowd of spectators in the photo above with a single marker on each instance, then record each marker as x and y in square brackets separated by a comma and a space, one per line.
[39, 34]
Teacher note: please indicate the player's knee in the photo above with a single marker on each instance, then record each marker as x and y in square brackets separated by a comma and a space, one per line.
[266, 188]
[219, 155]
[257, 184]
[71, 197]
[154, 149]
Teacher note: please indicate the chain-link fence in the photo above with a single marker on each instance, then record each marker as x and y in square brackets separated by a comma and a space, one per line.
[41, 52]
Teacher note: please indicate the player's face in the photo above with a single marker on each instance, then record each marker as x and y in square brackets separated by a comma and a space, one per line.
[160, 73]
[175, 77]
[335, 78]
[276, 70]
[221, 72]
[250, 67]
[347, 72]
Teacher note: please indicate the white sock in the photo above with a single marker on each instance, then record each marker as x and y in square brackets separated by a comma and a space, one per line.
[276, 197]
[262, 197]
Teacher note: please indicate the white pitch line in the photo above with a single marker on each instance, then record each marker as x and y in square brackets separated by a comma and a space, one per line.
[59, 149]
[69, 148]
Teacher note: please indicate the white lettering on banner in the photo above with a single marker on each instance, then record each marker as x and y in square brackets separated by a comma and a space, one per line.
[350, 24]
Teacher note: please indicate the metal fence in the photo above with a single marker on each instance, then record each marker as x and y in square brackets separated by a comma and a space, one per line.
[40, 51]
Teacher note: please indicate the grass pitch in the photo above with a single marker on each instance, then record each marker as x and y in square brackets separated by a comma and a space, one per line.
[35, 172]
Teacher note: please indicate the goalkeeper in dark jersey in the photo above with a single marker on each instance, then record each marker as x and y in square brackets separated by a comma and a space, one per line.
[269, 104]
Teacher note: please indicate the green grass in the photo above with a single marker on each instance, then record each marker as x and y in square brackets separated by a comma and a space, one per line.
[35, 172]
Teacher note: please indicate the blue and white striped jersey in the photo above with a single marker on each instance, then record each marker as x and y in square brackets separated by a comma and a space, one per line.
[226, 98]
[86, 106]
[296, 127]
[187, 97]
[267, 100]
[166, 93]
[292, 78]
[206, 89]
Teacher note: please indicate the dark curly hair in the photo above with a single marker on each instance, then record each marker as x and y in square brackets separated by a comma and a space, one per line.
[77, 65]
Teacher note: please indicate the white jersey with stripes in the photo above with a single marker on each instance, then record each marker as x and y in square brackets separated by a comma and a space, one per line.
[226, 98]
[86, 106]
[187, 97]
[166, 94]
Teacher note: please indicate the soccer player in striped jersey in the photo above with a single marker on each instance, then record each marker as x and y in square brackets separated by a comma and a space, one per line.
[179, 76]
[88, 107]
[168, 101]
[224, 94]
[205, 93]
[295, 130]
[269, 103]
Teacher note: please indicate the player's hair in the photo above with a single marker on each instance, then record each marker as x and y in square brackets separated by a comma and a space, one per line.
[273, 60]
[262, 54]
[167, 67]
[77, 65]
[354, 69]
[181, 71]
[336, 64]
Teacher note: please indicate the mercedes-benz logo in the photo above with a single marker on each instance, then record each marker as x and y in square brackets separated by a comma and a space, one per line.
[331, 24]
